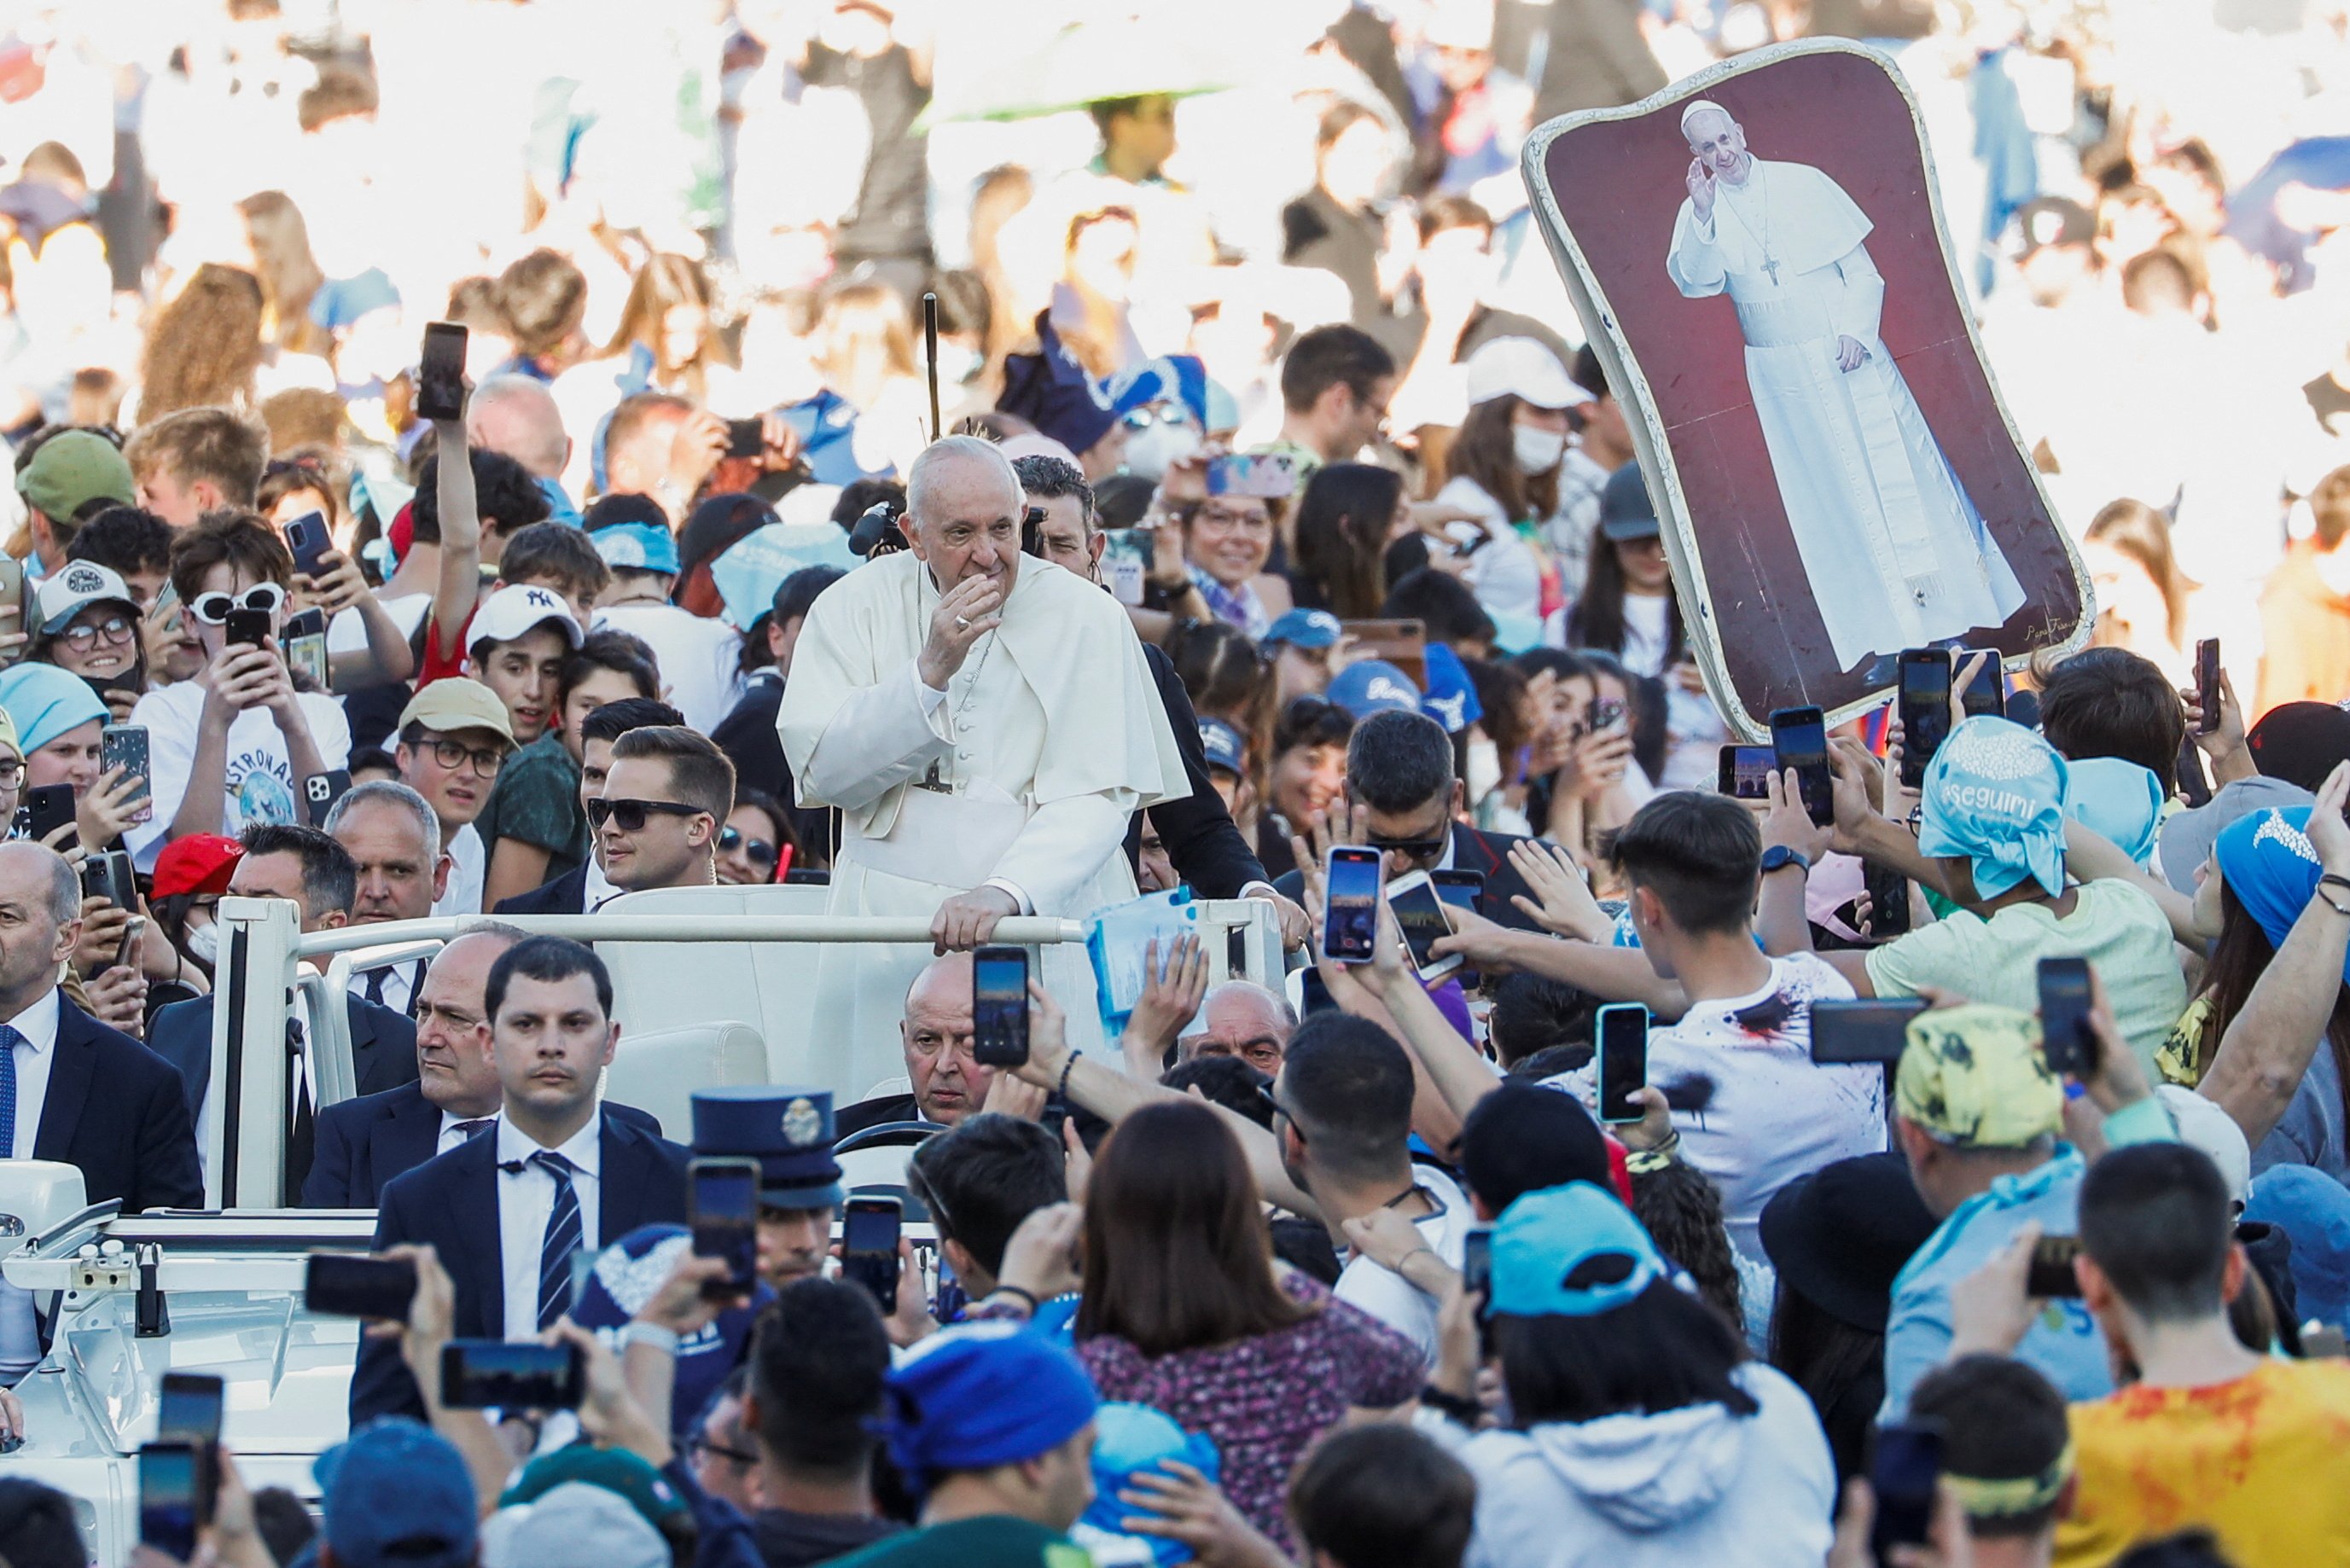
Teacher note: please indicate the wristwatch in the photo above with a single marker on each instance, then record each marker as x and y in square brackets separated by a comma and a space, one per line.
[1778, 857]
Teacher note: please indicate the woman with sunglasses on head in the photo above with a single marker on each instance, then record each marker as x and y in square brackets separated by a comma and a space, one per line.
[755, 845]
[88, 624]
[237, 744]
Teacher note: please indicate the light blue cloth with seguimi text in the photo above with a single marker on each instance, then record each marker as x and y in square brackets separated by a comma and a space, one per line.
[1995, 794]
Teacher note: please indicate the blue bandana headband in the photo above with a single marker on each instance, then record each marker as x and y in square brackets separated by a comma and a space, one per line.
[2271, 869]
[1995, 794]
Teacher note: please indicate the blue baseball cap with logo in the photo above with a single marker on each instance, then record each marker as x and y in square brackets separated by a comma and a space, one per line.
[1451, 696]
[1372, 687]
[1307, 628]
[788, 1131]
[1570, 1251]
[1223, 745]
[397, 1491]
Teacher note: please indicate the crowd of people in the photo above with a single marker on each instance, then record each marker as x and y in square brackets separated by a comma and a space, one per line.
[1273, 455]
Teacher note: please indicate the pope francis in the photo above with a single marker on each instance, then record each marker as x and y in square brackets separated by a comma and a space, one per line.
[1896, 555]
[987, 724]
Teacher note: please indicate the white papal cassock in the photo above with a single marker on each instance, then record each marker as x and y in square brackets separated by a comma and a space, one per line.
[1897, 554]
[1046, 741]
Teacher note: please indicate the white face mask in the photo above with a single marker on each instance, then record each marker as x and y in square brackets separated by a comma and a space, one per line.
[1538, 451]
[1150, 451]
[203, 944]
[1484, 768]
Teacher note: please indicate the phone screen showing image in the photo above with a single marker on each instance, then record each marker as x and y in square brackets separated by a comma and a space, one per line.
[441, 372]
[1419, 915]
[1000, 1006]
[1745, 772]
[1350, 920]
[1925, 709]
[1987, 692]
[868, 1248]
[170, 1498]
[724, 1195]
[1623, 1060]
[1799, 739]
[485, 1373]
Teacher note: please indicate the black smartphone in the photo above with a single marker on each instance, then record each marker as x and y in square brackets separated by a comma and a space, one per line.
[110, 877]
[1987, 692]
[2050, 1276]
[1888, 900]
[1925, 687]
[248, 628]
[321, 791]
[1623, 1060]
[189, 1410]
[746, 438]
[1905, 1467]
[807, 877]
[869, 1247]
[173, 1499]
[2194, 787]
[125, 746]
[482, 1374]
[47, 809]
[999, 1006]
[1313, 995]
[1477, 1263]
[2207, 682]
[306, 650]
[1869, 1029]
[2065, 1034]
[1350, 915]
[1799, 739]
[723, 1198]
[310, 541]
[441, 372]
[1745, 772]
[339, 1284]
[1419, 915]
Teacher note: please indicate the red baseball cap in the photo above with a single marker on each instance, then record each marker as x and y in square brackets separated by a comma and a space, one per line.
[199, 863]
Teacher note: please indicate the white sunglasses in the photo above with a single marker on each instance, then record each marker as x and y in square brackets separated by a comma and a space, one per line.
[212, 609]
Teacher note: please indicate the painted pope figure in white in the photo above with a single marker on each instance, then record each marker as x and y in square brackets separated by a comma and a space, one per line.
[1896, 555]
[986, 723]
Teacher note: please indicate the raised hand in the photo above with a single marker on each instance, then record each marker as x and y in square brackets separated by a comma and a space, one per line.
[1700, 189]
[1566, 907]
[966, 612]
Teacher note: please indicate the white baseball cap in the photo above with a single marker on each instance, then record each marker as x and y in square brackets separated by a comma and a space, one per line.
[74, 586]
[1521, 368]
[514, 610]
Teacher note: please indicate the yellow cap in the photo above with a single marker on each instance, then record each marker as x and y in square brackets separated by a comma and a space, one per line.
[1976, 1077]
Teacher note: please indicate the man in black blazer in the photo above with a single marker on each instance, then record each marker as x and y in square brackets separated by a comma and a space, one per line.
[508, 1210]
[132, 1137]
[567, 895]
[363, 1143]
[318, 877]
[584, 886]
[1400, 769]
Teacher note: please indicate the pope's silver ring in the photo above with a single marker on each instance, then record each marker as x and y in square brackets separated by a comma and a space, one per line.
[963, 622]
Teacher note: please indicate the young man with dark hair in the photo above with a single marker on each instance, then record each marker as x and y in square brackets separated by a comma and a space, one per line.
[37, 1527]
[668, 791]
[1344, 1097]
[1407, 802]
[1380, 1495]
[818, 1366]
[986, 1176]
[535, 824]
[585, 886]
[2111, 703]
[1335, 382]
[2209, 1432]
[197, 460]
[1447, 606]
[2006, 1451]
[557, 555]
[506, 1211]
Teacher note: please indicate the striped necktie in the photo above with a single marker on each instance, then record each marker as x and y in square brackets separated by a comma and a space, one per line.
[562, 1240]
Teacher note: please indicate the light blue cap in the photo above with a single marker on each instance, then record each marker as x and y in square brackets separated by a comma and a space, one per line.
[1547, 1238]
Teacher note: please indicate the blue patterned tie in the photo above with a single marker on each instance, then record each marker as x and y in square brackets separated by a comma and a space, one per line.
[563, 1238]
[9, 1041]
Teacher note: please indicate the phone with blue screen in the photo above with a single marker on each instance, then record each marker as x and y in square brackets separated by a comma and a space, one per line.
[1350, 915]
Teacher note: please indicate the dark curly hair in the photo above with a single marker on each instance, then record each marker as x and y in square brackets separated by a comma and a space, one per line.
[1681, 1208]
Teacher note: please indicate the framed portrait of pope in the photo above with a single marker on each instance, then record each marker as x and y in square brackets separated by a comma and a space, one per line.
[1758, 258]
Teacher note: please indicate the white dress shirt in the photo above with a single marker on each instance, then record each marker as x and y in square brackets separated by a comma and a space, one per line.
[451, 1138]
[398, 991]
[35, 1053]
[526, 1197]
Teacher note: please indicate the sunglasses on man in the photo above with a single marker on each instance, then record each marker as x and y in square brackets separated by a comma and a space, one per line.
[628, 816]
[214, 608]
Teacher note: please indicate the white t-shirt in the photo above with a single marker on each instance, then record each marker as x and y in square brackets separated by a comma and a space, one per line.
[1766, 1112]
[347, 633]
[469, 861]
[699, 658]
[260, 783]
[1396, 1301]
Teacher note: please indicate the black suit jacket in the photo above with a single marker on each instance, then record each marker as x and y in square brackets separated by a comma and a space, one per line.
[567, 895]
[748, 737]
[451, 1202]
[1486, 853]
[383, 1045]
[1207, 851]
[134, 1139]
[363, 1143]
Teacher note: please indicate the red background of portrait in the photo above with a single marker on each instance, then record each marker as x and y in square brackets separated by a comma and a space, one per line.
[1620, 183]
